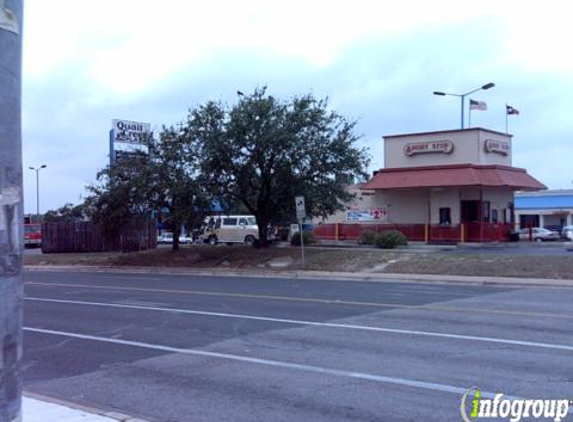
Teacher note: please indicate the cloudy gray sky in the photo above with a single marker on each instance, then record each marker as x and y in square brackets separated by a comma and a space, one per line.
[87, 62]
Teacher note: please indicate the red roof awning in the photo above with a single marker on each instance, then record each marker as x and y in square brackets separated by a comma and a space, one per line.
[454, 176]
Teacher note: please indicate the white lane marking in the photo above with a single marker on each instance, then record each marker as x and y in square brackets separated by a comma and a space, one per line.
[316, 324]
[388, 290]
[267, 362]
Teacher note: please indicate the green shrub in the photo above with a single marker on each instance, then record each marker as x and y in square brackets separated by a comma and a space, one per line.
[368, 237]
[390, 239]
[307, 237]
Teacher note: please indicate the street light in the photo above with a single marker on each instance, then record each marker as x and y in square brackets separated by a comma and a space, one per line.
[37, 170]
[463, 96]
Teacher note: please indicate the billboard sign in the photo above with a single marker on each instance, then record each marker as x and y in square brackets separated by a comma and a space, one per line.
[372, 214]
[129, 132]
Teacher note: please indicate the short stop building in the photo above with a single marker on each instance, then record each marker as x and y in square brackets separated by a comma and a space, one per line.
[451, 186]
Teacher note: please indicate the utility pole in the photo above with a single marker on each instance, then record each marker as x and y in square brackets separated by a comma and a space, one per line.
[11, 210]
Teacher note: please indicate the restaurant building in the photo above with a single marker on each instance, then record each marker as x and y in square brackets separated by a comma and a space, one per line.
[451, 186]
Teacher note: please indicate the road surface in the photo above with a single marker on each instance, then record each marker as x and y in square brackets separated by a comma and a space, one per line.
[188, 348]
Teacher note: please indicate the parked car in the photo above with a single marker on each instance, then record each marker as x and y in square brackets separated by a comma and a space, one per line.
[32, 235]
[231, 229]
[165, 238]
[567, 232]
[539, 234]
[185, 239]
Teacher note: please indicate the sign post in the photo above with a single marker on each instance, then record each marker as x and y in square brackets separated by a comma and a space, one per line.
[300, 216]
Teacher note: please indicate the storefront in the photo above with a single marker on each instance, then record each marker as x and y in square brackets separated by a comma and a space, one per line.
[552, 209]
[451, 186]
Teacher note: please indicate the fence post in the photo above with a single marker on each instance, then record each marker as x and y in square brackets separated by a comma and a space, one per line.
[426, 233]
[462, 232]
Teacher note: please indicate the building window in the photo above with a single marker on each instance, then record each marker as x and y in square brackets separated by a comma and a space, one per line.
[445, 216]
[494, 216]
[486, 211]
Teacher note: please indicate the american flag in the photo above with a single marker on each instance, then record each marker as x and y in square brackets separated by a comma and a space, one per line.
[478, 105]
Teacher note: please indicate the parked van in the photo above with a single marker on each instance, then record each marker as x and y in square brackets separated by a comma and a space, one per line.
[231, 229]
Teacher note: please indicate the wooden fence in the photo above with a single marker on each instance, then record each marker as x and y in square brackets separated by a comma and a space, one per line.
[75, 237]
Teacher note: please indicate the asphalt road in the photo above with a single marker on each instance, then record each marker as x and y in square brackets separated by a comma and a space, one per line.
[182, 348]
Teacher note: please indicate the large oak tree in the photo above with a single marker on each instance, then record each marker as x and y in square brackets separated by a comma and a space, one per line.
[263, 152]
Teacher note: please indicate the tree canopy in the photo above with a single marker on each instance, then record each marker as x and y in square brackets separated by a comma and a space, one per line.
[163, 176]
[264, 151]
[66, 213]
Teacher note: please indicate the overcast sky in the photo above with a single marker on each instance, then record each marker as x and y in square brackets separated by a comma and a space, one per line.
[87, 62]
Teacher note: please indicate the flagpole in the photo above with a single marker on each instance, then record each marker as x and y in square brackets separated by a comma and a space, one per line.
[506, 128]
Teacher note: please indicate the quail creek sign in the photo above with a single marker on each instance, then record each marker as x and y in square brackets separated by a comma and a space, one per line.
[444, 146]
[128, 132]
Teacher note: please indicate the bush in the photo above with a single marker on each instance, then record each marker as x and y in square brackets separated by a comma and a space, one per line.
[390, 239]
[368, 237]
[307, 237]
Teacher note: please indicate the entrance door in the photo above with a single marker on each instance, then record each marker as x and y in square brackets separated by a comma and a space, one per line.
[470, 217]
[470, 212]
[528, 220]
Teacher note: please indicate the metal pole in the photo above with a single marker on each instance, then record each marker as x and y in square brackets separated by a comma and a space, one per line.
[462, 97]
[37, 195]
[11, 210]
[302, 245]
[470, 118]
[506, 127]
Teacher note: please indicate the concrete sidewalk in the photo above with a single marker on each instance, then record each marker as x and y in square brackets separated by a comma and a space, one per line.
[41, 409]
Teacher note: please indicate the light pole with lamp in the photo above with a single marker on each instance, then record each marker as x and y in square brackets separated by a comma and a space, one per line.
[37, 170]
[463, 96]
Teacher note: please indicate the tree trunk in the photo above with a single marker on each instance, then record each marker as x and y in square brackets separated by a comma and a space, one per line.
[263, 239]
[176, 233]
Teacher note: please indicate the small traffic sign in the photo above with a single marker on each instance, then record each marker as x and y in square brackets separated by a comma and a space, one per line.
[300, 208]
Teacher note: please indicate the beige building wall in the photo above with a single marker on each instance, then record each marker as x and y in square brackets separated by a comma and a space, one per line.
[445, 198]
[405, 206]
[363, 199]
[500, 198]
[469, 147]
[417, 206]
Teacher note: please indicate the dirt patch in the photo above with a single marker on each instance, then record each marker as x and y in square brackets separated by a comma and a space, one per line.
[229, 257]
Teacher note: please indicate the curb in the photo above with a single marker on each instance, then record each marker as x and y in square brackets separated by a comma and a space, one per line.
[313, 275]
[120, 417]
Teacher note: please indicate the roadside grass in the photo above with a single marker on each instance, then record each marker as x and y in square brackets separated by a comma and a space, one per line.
[525, 266]
[229, 257]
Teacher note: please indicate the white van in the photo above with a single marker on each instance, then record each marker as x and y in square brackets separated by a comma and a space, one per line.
[231, 229]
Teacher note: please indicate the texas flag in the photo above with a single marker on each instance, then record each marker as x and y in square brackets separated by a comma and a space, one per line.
[511, 110]
[478, 105]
